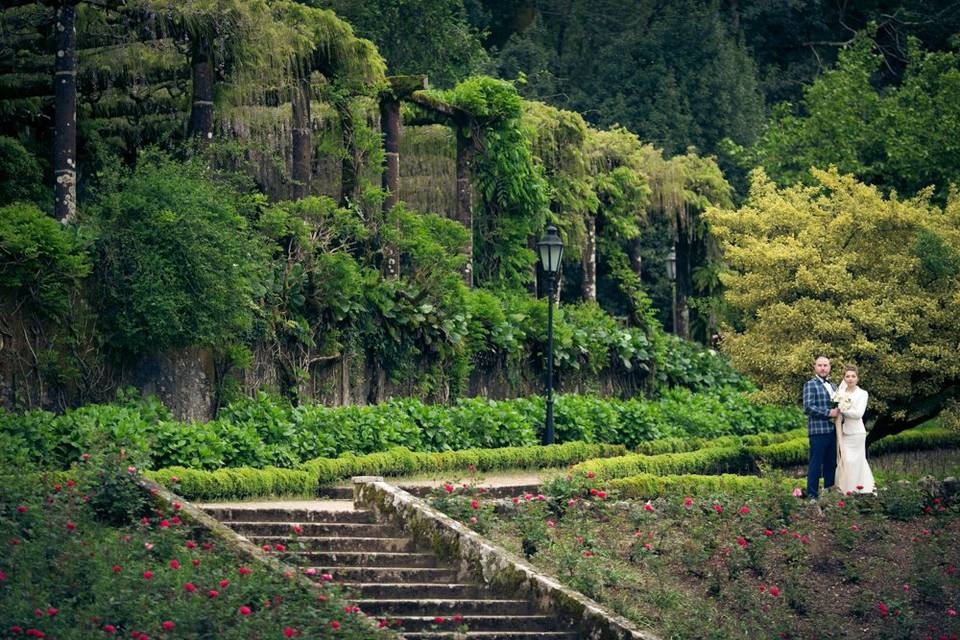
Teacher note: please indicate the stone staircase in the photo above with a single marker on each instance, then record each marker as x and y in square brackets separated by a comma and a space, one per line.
[390, 578]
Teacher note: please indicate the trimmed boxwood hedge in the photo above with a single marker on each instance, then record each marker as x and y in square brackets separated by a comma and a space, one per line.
[744, 458]
[244, 482]
[649, 486]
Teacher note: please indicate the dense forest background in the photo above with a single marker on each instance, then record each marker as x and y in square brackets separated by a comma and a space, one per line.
[224, 169]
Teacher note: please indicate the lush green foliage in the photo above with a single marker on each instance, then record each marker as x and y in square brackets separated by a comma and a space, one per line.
[41, 262]
[805, 279]
[66, 574]
[268, 431]
[892, 137]
[176, 266]
[674, 73]
[510, 184]
[21, 179]
[431, 37]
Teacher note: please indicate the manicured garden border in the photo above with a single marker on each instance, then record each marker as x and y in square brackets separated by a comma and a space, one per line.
[247, 482]
[749, 459]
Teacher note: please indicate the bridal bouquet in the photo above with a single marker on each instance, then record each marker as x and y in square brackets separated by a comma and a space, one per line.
[842, 399]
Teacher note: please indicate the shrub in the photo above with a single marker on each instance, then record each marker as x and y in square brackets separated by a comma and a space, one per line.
[21, 179]
[177, 266]
[41, 261]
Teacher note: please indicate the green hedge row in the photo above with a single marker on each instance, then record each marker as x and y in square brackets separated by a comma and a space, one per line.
[682, 445]
[712, 460]
[748, 459]
[650, 486]
[268, 432]
[246, 482]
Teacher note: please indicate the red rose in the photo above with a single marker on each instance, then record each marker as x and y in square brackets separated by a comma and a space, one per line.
[774, 591]
[174, 564]
[245, 610]
[168, 625]
[190, 587]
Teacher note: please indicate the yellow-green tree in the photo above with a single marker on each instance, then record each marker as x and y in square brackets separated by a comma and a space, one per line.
[839, 269]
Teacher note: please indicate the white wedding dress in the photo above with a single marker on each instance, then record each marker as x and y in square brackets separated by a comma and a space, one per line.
[853, 472]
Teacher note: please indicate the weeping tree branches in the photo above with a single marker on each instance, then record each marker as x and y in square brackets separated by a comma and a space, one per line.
[136, 58]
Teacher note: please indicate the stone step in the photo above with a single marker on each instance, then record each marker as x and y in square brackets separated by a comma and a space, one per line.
[338, 529]
[436, 575]
[479, 623]
[395, 590]
[419, 606]
[361, 558]
[290, 516]
[337, 543]
[495, 635]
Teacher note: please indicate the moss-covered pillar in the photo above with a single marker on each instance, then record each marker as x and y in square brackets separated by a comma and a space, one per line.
[390, 126]
[350, 165]
[65, 113]
[466, 149]
[201, 110]
[589, 288]
[302, 161]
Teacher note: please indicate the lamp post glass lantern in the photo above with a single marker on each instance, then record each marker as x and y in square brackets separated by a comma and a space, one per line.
[550, 249]
[671, 263]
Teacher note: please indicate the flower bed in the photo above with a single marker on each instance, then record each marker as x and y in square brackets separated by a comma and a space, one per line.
[88, 557]
[743, 560]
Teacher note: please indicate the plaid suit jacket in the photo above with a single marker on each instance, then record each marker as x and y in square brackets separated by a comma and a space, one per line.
[817, 405]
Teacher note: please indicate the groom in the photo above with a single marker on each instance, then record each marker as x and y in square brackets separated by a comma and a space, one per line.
[820, 429]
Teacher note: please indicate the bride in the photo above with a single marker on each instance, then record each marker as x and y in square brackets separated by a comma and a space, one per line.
[853, 472]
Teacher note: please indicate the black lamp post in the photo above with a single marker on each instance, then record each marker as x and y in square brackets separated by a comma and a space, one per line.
[671, 262]
[550, 249]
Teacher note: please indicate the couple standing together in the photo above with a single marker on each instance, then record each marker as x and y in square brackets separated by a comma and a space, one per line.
[838, 451]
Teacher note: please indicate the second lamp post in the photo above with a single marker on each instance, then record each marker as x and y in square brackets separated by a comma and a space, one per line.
[550, 249]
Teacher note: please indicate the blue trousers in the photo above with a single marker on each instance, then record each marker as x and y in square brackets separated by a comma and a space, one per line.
[823, 462]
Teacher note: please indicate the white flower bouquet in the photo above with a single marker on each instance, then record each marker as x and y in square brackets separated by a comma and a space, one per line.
[842, 399]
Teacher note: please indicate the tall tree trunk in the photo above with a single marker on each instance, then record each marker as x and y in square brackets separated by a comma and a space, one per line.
[683, 285]
[65, 117]
[390, 126]
[201, 111]
[302, 169]
[350, 165]
[589, 291]
[465, 153]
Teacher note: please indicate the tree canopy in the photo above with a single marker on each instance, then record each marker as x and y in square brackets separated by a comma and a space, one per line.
[837, 268]
[902, 137]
